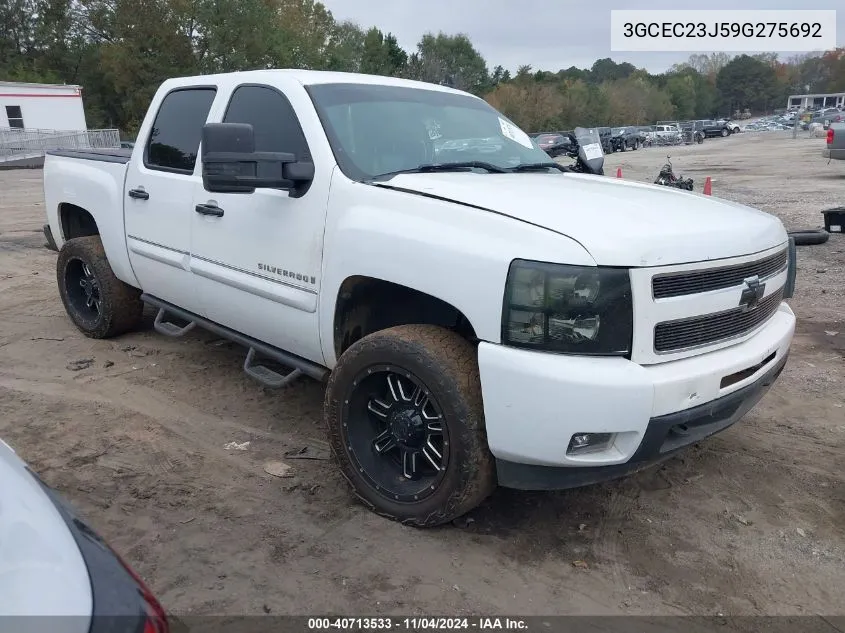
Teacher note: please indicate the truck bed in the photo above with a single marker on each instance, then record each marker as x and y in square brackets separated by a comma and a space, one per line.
[111, 155]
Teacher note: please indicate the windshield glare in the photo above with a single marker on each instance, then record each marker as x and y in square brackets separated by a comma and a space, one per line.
[377, 130]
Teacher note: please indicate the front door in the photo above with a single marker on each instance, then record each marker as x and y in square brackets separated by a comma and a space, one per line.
[256, 257]
[159, 189]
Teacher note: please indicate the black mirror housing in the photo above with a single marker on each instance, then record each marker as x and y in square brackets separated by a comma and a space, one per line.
[230, 163]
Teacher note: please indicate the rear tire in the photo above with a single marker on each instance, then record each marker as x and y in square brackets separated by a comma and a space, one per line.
[97, 302]
[406, 424]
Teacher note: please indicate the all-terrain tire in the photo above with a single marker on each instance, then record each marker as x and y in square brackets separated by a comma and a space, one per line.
[447, 364]
[120, 305]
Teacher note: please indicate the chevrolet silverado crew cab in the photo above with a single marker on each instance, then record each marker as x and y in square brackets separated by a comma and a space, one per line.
[482, 315]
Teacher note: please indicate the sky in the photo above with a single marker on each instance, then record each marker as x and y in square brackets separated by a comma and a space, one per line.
[547, 34]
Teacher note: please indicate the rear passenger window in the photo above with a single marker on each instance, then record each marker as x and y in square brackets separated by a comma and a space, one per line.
[272, 117]
[175, 138]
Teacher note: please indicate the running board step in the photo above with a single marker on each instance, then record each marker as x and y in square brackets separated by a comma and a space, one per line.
[306, 367]
[267, 376]
[170, 329]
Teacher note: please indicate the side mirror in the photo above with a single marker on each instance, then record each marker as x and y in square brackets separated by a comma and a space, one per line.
[230, 163]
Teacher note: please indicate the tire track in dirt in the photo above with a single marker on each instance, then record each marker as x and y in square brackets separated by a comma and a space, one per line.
[109, 389]
[188, 423]
[606, 543]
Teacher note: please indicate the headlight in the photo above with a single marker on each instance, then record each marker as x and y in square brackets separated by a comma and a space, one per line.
[568, 309]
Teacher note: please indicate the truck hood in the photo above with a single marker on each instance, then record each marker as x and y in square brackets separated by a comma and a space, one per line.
[620, 223]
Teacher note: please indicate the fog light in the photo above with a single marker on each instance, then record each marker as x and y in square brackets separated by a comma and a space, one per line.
[588, 443]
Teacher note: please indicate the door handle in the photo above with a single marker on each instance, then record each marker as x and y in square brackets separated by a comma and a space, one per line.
[138, 194]
[209, 209]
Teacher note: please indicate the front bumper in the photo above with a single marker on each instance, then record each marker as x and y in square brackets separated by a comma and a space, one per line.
[534, 403]
[835, 154]
[664, 436]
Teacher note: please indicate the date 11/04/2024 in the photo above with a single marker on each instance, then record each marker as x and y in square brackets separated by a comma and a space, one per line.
[417, 624]
[722, 29]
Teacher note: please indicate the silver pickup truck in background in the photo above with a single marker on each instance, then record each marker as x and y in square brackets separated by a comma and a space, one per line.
[835, 147]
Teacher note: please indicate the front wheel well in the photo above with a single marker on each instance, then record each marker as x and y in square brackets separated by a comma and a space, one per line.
[76, 222]
[366, 305]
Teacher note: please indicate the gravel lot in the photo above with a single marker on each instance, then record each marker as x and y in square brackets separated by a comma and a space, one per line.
[749, 522]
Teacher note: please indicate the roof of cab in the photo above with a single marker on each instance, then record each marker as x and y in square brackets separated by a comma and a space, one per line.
[314, 77]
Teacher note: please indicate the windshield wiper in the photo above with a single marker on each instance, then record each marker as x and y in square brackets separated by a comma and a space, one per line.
[456, 166]
[539, 167]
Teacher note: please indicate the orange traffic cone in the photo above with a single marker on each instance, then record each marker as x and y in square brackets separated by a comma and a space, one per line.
[619, 172]
[708, 187]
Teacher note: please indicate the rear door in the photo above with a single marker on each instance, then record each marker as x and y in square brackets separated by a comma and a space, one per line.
[159, 189]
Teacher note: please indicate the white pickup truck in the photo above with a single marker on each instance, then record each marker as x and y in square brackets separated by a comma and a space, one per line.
[481, 316]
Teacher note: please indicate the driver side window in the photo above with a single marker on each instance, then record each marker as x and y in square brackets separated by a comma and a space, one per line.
[272, 117]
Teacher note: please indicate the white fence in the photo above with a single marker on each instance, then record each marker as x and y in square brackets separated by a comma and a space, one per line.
[17, 143]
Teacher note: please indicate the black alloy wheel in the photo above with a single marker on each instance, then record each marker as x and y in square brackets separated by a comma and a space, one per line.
[83, 289]
[396, 433]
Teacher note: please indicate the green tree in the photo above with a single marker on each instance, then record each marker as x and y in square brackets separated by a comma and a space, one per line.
[747, 82]
[608, 70]
[449, 59]
[500, 76]
[345, 51]
[382, 54]
[681, 90]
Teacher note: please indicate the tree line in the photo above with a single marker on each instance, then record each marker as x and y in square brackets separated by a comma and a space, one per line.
[121, 50]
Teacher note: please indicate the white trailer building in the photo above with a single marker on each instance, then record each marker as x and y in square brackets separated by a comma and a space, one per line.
[829, 100]
[41, 107]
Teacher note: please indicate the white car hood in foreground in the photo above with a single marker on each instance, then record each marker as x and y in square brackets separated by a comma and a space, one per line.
[42, 572]
[620, 223]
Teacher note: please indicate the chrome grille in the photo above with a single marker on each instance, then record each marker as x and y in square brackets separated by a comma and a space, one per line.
[693, 282]
[671, 336]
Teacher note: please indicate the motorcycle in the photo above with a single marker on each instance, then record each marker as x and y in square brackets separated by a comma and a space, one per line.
[668, 178]
[585, 147]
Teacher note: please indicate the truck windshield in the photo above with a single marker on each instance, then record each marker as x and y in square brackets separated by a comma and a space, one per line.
[379, 130]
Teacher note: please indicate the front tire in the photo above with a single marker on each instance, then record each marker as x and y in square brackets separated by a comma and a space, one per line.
[406, 424]
[97, 302]
[724, 132]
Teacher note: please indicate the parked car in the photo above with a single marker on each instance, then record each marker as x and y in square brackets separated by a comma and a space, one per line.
[606, 134]
[624, 138]
[646, 134]
[496, 320]
[831, 117]
[835, 146]
[553, 144]
[823, 117]
[733, 126]
[54, 567]
[666, 134]
[716, 128]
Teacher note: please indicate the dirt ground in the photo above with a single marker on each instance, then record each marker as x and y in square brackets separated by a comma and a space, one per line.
[749, 522]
